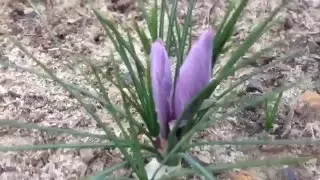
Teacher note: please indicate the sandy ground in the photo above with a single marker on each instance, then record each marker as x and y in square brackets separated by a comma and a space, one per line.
[28, 98]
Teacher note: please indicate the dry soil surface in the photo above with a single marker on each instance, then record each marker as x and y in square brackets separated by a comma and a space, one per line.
[28, 98]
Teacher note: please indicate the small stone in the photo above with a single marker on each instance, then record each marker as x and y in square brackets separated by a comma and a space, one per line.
[34, 162]
[313, 46]
[127, 78]
[98, 38]
[74, 20]
[45, 156]
[86, 155]
[288, 23]
[3, 91]
[311, 3]
[1, 169]
[283, 67]
[29, 11]
[19, 9]
[286, 174]
[124, 5]
[254, 85]
[13, 94]
[254, 108]
[317, 40]
[91, 108]
[4, 62]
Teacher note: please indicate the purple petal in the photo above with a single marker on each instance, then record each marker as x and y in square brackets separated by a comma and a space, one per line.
[161, 84]
[195, 73]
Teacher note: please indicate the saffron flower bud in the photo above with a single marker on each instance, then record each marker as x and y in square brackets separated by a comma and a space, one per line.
[194, 75]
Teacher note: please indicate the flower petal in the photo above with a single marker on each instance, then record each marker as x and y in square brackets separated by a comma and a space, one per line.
[195, 73]
[161, 85]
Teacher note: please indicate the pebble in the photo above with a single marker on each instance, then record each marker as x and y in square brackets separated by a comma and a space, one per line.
[86, 155]
[286, 174]
[254, 85]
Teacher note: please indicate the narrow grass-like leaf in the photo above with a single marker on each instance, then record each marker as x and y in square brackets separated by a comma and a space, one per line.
[107, 105]
[13, 123]
[255, 142]
[177, 39]
[259, 163]
[140, 89]
[268, 121]
[244, 102]
[125, 143]
[136, 160]
[117, 178]
[227, 27]
[143, 38]
[204, 122]
[276, 105]
[154, 21]
[106, 97]
[121, 45]
[49, 30]
[139, 67]
[172, 19]
[271, 115]
[240, 165]
[224, 21]
[120, 144]
[175, 36]
[190, 39]
[162, 14]
[151, 105]
[131, 96]
[45, 24]
[54, 77]
[133, 132]
[148, 113]
[248, 42]
[110, 107]
[227, 70]
[120, 86]
[249, 103]
[182, 43]
[256, 56]
[115, 139]
[248, 100]
[192, 108]
[102, 175]
[185, 33]
[198, 167]
[257, 71]
[246, 77]
[145, 15]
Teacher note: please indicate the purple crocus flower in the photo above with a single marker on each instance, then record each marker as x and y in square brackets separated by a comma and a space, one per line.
[194, 75]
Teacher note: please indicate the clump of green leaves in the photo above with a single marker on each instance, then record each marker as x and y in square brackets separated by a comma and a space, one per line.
[271, 111]
[138, 97]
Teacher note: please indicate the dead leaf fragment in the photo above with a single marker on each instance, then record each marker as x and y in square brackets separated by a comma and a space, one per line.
[244, 175]
[312, 98]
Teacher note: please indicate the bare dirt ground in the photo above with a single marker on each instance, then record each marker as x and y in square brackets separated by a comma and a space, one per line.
[28, 98]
